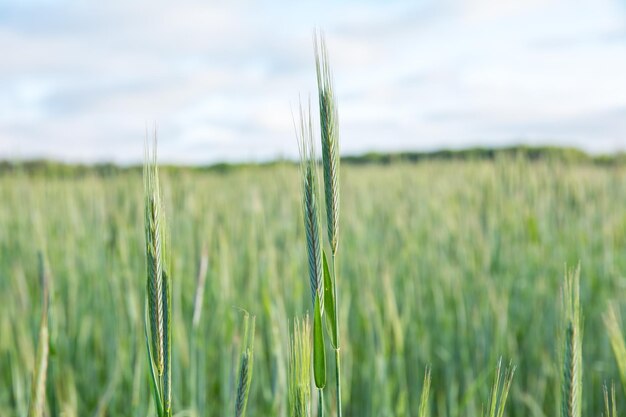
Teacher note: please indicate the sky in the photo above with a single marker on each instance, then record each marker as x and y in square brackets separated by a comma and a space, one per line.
[83, 81]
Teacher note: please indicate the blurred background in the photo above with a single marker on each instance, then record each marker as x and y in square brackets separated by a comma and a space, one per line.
[79, 81]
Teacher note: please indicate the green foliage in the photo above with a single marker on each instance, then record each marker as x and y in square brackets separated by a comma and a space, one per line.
[53, 169]
[530, 153]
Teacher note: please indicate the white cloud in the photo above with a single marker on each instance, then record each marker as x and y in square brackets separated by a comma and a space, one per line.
[82, 82]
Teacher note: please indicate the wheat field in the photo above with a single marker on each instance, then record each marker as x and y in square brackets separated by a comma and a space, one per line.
[449, 265]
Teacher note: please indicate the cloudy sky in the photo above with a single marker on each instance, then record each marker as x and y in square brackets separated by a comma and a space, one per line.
[81, 81]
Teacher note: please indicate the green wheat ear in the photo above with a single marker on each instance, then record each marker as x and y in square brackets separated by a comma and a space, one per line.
[308, 171]
[158, 288]
[571, 384]
[154, 255]
[329, 125]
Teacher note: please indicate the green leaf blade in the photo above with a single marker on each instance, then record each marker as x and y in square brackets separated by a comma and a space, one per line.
[329, 302]
[319, 355]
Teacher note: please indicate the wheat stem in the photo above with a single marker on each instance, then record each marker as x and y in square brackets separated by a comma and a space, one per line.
[320, 402]
[337, 349]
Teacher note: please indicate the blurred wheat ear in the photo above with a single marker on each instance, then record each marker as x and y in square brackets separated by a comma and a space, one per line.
[500, 390]
[159, 300]
[423, 407]
[38, 387]
[203, 267]
[613, 325]
[246, 363]
[571, 384]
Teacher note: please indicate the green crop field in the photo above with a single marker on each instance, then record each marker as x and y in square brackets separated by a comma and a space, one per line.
[443, 264]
